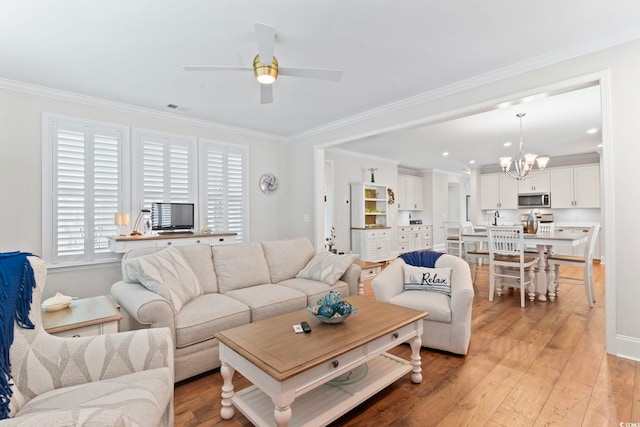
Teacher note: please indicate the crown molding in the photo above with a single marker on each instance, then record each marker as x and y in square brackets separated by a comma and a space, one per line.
[62, 95]
[555, 57]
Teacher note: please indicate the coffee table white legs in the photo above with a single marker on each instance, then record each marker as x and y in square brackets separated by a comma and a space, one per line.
[282, 414]
[416, 362]
[227, 411]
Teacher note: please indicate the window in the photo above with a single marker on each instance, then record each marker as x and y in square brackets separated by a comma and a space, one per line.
[164, 169]
[223, 198]
[84, 180]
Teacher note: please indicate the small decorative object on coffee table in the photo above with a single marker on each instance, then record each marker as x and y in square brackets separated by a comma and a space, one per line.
[332, 309]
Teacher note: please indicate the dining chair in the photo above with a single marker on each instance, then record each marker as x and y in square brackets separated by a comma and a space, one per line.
[506, 254]
[585, 261]
[543, 228]
[475, 252]
[453, 243]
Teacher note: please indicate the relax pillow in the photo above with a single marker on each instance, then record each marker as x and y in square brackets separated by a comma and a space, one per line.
[168, 274]
[327, 267]
[427, 279]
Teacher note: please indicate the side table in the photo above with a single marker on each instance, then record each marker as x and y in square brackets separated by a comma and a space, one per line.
[84, 317]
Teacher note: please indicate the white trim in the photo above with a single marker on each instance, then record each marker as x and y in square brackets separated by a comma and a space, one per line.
[130, 109]
[627, 347]
[48, 180]
[613, 344]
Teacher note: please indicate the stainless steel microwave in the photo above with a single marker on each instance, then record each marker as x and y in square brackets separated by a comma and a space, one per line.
[534, 200]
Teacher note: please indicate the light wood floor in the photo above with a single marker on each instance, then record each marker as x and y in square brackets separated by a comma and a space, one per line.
[539, 366]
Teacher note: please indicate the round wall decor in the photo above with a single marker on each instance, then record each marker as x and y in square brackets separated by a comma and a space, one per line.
[268, 183]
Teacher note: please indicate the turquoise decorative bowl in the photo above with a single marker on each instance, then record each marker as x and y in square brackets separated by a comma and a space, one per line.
[336, 318]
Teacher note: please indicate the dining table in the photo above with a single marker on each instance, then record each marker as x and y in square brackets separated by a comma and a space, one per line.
[544, 242]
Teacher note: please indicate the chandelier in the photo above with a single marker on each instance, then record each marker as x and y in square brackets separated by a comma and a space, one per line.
[523, 162]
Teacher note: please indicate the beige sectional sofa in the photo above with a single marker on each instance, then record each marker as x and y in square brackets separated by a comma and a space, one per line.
[239, 284]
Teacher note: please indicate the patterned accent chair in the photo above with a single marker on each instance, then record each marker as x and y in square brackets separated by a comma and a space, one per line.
[123, 379]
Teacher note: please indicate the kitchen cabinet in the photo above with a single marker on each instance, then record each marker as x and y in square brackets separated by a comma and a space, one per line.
[498, 191]
[535, 182]
[410, 193]
[371, 245]
[575, 187]
[415, 237]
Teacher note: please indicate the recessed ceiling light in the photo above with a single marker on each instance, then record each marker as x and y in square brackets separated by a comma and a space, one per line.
[599, 145]
[507, 144]
[445, 154]
[471, 162]
[594, 130]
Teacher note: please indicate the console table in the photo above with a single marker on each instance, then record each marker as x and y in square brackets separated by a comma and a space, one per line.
[123, 244]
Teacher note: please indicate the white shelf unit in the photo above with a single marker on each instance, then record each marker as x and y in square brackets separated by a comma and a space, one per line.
[370, 235]
[368, 205]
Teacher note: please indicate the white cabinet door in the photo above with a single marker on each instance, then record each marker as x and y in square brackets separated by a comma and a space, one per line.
[535, 182]
[417, 194]
[587, 186]
[489, 191]
[561, 188]
[577, 187]
[498, 191]
[401, 194]
[410, 193]
[508, 192]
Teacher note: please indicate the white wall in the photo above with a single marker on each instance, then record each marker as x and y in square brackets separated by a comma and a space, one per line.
[621, 105]
[20, 175]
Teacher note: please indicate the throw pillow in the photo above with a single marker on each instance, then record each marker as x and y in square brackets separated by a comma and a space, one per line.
[168, 274]
[327, 267]
[427, 279]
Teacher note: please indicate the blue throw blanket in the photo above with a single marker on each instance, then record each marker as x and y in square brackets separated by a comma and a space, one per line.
[16, 286]
[422, 258]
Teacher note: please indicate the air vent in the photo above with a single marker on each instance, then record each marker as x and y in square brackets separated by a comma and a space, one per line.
[174, 106]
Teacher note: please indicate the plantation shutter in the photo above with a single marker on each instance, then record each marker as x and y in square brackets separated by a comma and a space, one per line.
[86, 186]
[225, 175]
[165, 171]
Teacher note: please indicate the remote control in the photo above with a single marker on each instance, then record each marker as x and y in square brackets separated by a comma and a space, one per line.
[305, 327]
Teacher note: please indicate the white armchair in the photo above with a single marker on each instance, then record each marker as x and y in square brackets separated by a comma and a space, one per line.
[448, 325]
[107, 380]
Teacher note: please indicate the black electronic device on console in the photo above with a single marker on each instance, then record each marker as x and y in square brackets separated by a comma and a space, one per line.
[175, 218]
[305, 327]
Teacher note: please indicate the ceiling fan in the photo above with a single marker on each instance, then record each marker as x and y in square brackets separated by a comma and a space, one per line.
[267, 73]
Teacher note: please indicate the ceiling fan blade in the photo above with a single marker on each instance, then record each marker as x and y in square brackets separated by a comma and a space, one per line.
[311, 73]
[266, 94]
[266, 37]
[215, 68]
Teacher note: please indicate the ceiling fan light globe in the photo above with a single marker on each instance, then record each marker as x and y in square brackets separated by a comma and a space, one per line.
[265, 74]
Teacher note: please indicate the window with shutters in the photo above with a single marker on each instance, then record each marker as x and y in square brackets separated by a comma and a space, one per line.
[164, 169]
[223, 198]
[84, 184]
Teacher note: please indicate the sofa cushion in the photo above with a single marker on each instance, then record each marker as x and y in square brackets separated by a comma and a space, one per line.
[427, 279]
[200, 258]
[269, 300]
[135, 399]
[201, 318]
[286, 258]
[436, 304]
[168, 274]
[240, 266]
[327, 267]
[315, 290]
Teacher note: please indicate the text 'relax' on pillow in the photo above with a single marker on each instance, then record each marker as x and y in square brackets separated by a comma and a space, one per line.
[327, 267]
[427, 279]
[168, 274]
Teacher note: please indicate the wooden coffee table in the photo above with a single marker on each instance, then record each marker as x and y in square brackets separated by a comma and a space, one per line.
[284, 366]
